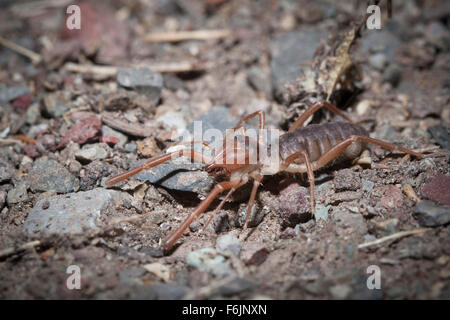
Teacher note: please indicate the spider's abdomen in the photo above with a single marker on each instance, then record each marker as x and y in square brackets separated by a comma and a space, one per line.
[318, 139]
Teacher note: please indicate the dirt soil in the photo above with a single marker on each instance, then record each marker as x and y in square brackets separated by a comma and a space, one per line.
[64, 130]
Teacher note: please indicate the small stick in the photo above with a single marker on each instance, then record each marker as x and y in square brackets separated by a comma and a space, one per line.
[187, 35]
[427, 149]
[14, 250]
[25, 139]
[106, 71]
[126, 127]
[8, 141]
[33, 56]
[409, 191]
[111, 71]
[394, 236]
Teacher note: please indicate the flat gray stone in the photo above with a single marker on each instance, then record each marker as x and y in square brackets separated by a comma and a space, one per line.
[108, 132]
[381, 41]
[57, 103]
[71, 214]
[219, 118]
[183, 177]
[289, 52]
[208, 259]
[17, 194]
[7, 171]
[350, 220]
[49, 175]
[227, 244]
[430, 214]
[142, 80]
[180, 174]
[10, 93]
[91, 152]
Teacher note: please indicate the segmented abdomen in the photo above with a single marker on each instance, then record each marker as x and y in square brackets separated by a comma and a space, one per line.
[317, 139]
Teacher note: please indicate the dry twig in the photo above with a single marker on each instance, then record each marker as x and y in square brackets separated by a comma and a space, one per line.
[104, 72]
[33, 56]
[14, 250]
[394, 236]
[187, 35]
[124, 126]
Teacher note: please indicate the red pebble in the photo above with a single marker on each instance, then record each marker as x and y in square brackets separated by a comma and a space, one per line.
[22, 102]
[109, 139]
[392, 197]
[82, 131]
[437, 190]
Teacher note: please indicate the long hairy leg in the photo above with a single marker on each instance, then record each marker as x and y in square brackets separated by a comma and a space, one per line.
[251, 201]
[193, 155]
[176, 234]
[309, 170]
[314, 108]
[342, 146]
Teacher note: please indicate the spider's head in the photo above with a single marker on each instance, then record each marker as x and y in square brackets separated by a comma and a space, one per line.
[217, 170]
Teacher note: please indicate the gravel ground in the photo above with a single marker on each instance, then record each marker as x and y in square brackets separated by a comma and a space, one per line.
[67, 126]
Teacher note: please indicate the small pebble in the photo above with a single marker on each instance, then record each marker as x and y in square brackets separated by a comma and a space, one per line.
[430, 214]
[392, 197]
[350, 220]
[392, 74]
[293, 205]
[142, 80]
[340, 291]
[363, 107]
[322, 212]
[57, 103]
[227, 244]
[378, 61]
[108, 132]
[387, 227]
[209, 260]
[71, 214]
[49, 175]
[367, 185]
[2, 199]
[438, 189]
[91, 152]
[17, 194]
[347, 179]
[7, 171]
[130, 147]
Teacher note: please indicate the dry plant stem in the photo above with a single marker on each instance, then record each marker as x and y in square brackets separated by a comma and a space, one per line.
[9, 141]
[14, 250]
[125, 126]
[394, 236]
[106, 71]
[33, 56]
[187, 35]
[111, 71]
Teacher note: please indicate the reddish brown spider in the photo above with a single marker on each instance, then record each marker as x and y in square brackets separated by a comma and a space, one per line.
[300, 150]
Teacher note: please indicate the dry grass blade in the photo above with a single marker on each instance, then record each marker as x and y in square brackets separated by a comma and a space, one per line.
[33, 56]
[342, 63]
[394, 236]
[104, 72]
[187, 35]
[125, 126]
[14, 250]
